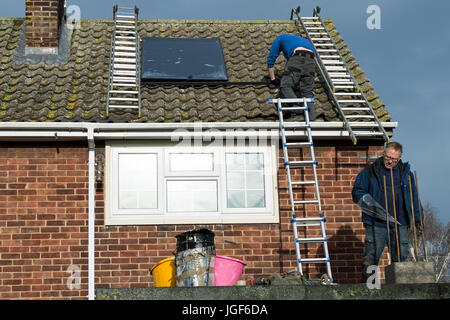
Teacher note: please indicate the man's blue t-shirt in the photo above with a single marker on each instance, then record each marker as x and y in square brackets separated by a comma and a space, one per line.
[286, 43]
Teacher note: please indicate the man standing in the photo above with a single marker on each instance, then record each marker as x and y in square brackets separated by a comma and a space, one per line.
[299, 69]
[369, 187]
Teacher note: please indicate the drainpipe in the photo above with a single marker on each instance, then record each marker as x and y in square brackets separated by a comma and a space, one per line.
[91, 215]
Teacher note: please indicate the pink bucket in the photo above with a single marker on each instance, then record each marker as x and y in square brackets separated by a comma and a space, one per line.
[227, 270]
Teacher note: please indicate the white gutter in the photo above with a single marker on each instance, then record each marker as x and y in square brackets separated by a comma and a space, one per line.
[32, 131]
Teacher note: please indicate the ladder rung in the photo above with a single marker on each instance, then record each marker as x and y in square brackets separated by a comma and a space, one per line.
[125, 54]
[298, 144]
[344, 87]
[326, 62]
[123, 91]
[125, 37]
[339, 74]
[293, 108]
[124, 84]
[360, 116]
[124, 66]
[125, 32]
[355, 109]
[124, 16]
[303, 182]
[124, 73]
[121, 78]
[302, 163]
[336, 81]
[126, 27]
[125, 60]
[368, 133]
[351, 101]
[125, 21]
[314, 260]
[308, 220]
[314, 28]
[116, 80]
[330, 57]
[320, 39]
[324, 44]
[318, 34]
[131, 43]
[326, 50]
[335, 68]
[296, 100]
[124, 48]
[305, 201]
[125, 106]
[347, 94]
[310, 240]
[312, 22]
[123, 99]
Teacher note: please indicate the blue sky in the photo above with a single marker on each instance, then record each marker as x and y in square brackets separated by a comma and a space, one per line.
[406, 60]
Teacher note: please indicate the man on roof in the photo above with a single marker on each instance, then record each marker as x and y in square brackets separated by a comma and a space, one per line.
[299, 70]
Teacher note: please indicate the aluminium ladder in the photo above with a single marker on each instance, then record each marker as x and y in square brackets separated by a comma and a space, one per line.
[345, 91]
[124, 65]
[303, 222]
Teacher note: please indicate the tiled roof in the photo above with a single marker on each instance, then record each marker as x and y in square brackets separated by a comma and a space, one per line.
[76, 91]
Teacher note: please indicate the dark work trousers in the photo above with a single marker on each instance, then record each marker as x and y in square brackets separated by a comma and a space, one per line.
[298, 76]
[376, 241]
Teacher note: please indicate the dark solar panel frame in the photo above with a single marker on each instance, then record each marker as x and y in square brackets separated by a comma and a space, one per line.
[183, 59]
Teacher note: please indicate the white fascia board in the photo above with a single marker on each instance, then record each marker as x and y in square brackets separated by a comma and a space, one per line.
[79, 131]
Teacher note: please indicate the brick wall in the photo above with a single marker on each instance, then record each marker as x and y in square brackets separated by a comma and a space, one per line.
[43, 224]
[42, 22]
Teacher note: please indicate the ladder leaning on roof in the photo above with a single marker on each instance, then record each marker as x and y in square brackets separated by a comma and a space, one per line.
[124, 65]
[312, 163]
[345, 91]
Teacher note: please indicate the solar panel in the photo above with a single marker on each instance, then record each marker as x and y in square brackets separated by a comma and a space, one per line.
[183, 59]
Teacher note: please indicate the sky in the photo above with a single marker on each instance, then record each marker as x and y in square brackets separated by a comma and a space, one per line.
[405, 57]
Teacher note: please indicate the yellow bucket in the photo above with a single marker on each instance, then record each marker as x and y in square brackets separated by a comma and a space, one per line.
[164, 273]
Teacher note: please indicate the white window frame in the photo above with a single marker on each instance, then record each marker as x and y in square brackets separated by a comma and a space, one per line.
[224, 215]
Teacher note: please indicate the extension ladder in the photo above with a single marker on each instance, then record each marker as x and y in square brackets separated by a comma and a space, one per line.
[345, 91]
[124, 65]
[312, 163]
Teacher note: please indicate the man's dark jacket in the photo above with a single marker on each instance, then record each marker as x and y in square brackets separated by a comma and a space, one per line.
[370, 181]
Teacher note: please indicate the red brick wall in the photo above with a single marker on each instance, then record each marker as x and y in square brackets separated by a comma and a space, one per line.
[42, 22]
[43, 224]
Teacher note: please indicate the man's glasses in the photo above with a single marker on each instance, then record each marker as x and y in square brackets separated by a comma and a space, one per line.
[391, 159]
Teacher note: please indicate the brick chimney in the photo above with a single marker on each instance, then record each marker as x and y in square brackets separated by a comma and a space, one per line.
[43, 22]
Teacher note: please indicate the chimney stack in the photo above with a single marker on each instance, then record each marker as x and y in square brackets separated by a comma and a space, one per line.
[43, 22]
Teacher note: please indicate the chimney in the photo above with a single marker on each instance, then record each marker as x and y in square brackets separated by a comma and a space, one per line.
[43, 22]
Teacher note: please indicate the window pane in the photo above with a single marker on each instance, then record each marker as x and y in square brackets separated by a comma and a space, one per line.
[191, 162]
[255, 199]
[191, 196]
[138, 180]
[254, 161]
[255, 180]
[235, 161]
[236, 180]
[245, 180]
[236, 199]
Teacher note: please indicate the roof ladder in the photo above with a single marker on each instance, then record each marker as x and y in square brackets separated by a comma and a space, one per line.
[301, 105]
[124, 83]
[345, 91]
